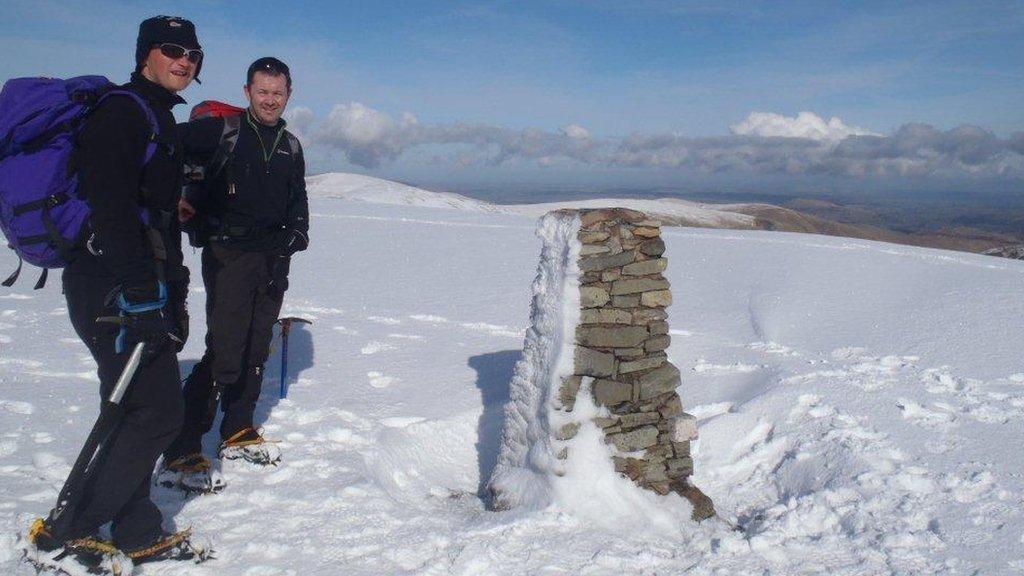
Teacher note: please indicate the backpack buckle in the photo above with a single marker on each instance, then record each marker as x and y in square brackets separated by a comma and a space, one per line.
[54, 200]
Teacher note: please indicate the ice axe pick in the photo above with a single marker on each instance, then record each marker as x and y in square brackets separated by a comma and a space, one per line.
[286, 327]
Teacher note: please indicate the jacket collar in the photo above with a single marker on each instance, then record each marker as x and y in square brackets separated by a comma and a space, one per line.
[154, 92]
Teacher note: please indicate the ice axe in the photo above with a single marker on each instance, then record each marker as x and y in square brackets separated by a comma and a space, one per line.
[286, 327]
[95, 445]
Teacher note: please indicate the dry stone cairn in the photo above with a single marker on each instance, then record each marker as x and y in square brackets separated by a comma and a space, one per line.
[599, 327]
[621, 342]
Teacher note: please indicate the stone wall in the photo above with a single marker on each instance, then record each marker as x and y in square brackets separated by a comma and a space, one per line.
[620, 344]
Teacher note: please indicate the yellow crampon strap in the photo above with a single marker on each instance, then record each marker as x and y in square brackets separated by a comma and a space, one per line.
[37, 529]
[199, 463]
[170, 542]
[92, 544]
[231, 442]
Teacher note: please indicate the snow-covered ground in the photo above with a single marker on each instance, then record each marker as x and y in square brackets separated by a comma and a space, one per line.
[861, 406]
[675, 211]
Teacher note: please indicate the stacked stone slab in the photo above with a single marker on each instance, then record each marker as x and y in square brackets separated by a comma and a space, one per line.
[620, 344]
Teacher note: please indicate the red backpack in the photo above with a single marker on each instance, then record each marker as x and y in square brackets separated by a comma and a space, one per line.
[232, 116]
[214, 109]
[198, 174]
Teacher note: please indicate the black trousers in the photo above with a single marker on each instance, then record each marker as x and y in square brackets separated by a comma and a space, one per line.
[244, 292]
[153, 408]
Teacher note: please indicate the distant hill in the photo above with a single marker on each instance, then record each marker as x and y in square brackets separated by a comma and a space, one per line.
[810, 216]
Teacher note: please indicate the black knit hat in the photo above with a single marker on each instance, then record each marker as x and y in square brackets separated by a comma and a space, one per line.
[169, 29]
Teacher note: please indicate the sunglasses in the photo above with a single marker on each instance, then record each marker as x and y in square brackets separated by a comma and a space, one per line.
[174, 52]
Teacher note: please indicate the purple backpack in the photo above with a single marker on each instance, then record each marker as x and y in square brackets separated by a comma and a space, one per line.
[41, 213]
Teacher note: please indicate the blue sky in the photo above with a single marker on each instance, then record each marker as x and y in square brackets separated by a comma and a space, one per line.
[587, 92]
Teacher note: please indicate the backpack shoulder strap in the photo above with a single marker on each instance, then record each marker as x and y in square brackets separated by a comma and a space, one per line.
[228, 139]
[154, 126]
[293, 143]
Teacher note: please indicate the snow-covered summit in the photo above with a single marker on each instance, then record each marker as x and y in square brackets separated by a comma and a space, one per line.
[671, 211]
[379, 191]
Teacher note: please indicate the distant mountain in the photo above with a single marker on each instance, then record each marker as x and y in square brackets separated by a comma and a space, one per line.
[810, 216]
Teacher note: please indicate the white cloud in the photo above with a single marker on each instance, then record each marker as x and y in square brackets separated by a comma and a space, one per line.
[764, 143]
[804, 125]
[368, 136]
[575, 131]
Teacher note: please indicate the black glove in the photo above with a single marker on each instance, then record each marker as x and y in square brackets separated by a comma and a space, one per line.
[291, 241]
[278, 267]
[143, 319]
[177, 302]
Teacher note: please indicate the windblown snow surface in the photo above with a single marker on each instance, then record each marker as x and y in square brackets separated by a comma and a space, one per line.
[861, 409]
[360, 188]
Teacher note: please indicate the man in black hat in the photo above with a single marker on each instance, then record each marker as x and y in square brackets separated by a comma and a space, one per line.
[132, 267]
[254, 217]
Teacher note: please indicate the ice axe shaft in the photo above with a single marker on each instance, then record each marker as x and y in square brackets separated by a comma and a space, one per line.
[95, 444]
[286, 327]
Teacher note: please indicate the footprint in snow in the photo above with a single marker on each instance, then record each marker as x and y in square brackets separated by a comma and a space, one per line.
[342, 436]
[703, 365]
[939, 381]
[772, 348]
[16, 297]
[970, 486]
[429, 318]
[493, 329]
[7, 447]
[375, 347]
[42, 437]
[379, 380]
[401, 422]
[848, 353]
[17, 407]
[279, 476]
[306, 417]
[384, 320]
[310, 311]
[405, 336]
[924, 416]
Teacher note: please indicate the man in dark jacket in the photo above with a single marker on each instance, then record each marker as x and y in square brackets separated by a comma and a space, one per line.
[133, 267]
[252, 215]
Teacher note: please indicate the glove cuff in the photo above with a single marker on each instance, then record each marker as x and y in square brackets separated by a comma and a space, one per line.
[138, 299]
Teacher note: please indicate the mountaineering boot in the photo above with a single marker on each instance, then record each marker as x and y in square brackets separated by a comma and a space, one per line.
[248, 445]
[192, 474]
[172, 546]
[79, 557]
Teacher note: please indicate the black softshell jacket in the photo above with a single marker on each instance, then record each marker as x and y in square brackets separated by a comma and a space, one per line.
[253, 193]
[116, 183]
